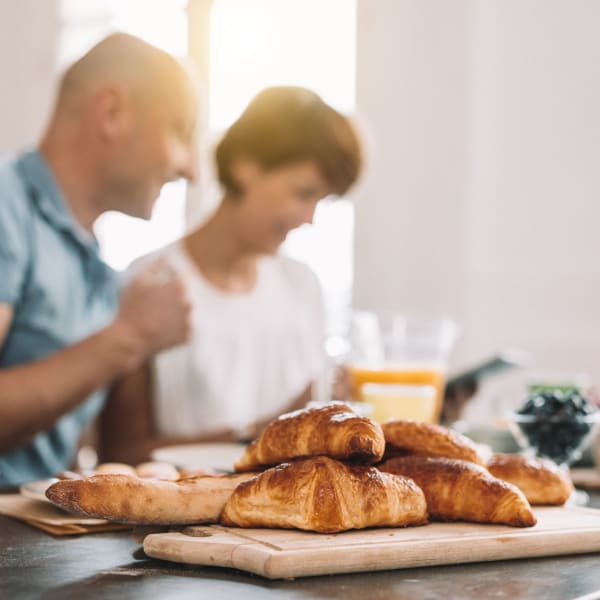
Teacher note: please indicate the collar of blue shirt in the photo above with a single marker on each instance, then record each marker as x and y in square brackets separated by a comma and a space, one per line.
[49, 199]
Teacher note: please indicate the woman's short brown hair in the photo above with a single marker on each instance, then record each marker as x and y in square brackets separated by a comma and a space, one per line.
[287, 124]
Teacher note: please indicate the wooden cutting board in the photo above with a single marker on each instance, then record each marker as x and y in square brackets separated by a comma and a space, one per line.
[278, 553]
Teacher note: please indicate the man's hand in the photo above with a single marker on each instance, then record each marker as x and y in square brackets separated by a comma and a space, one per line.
[155, 309]
[6, 315]
[154, 315]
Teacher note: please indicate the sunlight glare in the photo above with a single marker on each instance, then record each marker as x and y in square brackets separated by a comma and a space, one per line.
[280, 42]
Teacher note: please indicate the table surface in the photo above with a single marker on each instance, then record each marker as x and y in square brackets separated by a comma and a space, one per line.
[34, 564]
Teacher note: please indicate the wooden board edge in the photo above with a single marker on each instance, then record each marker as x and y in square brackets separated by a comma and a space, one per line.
[217, 551]
[293, 564]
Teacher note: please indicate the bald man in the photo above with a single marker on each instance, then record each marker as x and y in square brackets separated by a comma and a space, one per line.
[123, 126]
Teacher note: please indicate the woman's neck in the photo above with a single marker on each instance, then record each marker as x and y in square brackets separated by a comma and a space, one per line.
[220, 255]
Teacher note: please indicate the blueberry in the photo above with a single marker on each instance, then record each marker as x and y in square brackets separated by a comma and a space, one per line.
[558, 429]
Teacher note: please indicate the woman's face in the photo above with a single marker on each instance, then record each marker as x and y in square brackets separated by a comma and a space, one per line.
[274, 202]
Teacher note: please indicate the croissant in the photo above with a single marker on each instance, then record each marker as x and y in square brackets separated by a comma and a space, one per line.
[540, 480]
[333, 430]
[405, 437]
[457, 490]
[324, 495]
[130, 499]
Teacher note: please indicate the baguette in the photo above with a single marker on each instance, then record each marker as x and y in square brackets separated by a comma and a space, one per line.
[130, 499]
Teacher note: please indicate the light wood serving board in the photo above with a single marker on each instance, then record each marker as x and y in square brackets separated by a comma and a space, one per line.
[279, 553]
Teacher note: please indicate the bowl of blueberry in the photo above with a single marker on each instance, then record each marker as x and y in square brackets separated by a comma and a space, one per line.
[555, 424]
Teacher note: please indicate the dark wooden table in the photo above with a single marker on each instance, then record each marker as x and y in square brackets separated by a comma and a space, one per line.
[34, 564]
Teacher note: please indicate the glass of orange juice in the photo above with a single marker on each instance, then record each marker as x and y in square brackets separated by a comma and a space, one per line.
[392, 355]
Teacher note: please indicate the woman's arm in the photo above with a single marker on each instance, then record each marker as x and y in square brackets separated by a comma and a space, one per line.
[126, 422]
[127, 430]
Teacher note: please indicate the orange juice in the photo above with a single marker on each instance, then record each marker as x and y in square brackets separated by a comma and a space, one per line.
[400, 401]
[433, 375]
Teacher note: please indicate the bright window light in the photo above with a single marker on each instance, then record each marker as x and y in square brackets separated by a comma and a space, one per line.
[280, 42]
[123, 239]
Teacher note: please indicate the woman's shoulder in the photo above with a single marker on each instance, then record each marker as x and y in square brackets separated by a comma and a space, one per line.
[295, 274]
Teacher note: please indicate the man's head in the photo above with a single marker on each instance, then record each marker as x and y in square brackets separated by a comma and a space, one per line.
[130, 109]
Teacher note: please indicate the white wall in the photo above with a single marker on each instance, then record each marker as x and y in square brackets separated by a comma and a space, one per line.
[534, 260]
[484, 195]
[410, 220]
[28, 45]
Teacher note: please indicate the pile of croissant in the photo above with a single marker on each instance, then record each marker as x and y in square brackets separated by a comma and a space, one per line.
[328, 470]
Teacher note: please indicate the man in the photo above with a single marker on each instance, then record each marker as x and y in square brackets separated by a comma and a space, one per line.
[123, 125]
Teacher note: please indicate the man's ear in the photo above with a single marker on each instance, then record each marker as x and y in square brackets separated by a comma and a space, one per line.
[245, 171]
[112, 106]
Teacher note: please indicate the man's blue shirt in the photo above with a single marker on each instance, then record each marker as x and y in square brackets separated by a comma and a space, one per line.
[60, 291]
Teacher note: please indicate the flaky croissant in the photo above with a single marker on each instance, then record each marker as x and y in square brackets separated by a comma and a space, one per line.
[129, 499]
[405, 437]
[333, 430]
[540, 480]
[324, 495]
[457, 490]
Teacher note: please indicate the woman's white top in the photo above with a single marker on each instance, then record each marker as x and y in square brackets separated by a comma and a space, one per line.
[250, 354]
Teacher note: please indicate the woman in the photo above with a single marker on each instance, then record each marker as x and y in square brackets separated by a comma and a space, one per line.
[257, 316]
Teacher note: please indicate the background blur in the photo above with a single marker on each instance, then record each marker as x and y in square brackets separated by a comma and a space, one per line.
[482, 195]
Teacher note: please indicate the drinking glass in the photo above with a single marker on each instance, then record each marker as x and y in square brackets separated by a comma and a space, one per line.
[389, 351]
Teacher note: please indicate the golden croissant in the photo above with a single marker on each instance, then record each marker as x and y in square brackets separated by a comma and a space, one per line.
[405, 437]
[333, 430]
[457, 490]
[130, 499]
[324, 495]
[540, 480]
